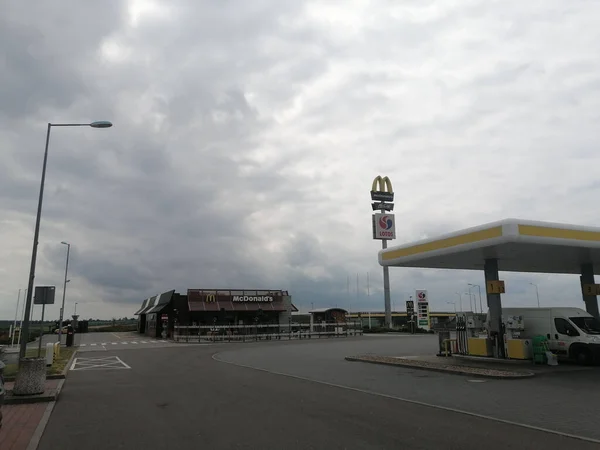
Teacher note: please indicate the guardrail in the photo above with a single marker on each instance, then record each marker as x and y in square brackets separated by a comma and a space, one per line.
[251, 333]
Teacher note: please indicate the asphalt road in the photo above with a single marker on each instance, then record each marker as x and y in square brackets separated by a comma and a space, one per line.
[182, 397]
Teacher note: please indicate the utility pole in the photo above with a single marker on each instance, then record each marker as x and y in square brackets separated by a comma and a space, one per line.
[460, 300]
[14, 328]
[537, 293]
[369, 299]
[480, 303]
[62, 308]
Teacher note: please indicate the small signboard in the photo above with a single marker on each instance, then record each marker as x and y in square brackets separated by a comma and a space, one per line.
[164, 317]
[495, 287]
[384, 226]
[591, 289]
[410, 308]
[44, 295]
[381, 206]
[382, 196]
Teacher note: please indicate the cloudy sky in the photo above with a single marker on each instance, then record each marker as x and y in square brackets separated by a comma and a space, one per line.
[247, 133]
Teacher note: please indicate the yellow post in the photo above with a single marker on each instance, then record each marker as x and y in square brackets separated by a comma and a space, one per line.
[56, 350]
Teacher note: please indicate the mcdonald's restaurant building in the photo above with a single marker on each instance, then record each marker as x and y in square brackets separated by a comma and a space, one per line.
[159, 314]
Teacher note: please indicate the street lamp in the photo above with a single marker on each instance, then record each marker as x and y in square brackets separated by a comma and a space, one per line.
[75, 312]
[453, 303]
[62, 308]
[471, 299]
[537, 292]
[480, 304]
[36, 234]
[460, 299]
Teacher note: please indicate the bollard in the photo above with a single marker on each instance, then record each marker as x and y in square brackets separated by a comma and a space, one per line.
[49, 354]
[56, 350]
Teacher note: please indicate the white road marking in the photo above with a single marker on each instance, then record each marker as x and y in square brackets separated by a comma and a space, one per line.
[144, 342]
[163, 341]
[414, 402]
[93, 345]
[124, 343]
[83, 345]
[134, 342]
[104, 343]
[122, 362]
[118, 337]
[108, 362]
[114, 343]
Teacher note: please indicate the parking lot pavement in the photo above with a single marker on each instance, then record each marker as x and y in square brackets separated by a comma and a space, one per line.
[183, 398]
[548, 401]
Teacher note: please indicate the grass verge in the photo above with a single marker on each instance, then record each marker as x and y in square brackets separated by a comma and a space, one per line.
[55, 369]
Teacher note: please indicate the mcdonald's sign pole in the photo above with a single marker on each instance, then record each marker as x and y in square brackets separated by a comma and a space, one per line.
[384, 229]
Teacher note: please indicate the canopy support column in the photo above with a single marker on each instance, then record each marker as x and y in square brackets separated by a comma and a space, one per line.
[494, 303]
[587, 277]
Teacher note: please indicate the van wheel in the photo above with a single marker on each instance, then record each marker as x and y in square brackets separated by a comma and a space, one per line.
[583, 356]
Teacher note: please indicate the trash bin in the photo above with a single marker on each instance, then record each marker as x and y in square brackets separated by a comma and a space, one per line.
[70, 336]
[444, 349]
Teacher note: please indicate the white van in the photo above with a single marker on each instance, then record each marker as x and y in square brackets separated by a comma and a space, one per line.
[572, 333]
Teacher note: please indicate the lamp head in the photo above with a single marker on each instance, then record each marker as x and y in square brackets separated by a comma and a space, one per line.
[101, 124]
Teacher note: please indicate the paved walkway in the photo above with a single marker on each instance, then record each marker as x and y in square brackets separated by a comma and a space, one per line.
[19, 424]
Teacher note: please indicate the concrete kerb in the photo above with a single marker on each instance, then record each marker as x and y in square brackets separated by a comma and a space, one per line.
[455, 370]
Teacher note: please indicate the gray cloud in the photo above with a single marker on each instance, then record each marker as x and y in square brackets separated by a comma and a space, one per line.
[247, 134]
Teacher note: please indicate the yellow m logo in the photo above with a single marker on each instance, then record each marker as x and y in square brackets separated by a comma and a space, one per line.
[210, 298]
[382, 185]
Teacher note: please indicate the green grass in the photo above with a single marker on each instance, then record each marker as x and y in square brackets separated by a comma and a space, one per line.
[55, 369]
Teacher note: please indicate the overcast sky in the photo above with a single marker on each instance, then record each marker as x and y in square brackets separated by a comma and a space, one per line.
[247, 133]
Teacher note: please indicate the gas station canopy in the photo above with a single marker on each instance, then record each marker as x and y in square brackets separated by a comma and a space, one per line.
[517, 245]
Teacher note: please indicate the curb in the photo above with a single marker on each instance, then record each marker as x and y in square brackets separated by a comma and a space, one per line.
[509, 376]
[63, 375]
[29, 399]
[48, 377]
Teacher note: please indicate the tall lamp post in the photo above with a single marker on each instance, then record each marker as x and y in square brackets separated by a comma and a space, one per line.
[480, 304]
[460, 300]
[62, 308]
[537, 292]
[36, 235]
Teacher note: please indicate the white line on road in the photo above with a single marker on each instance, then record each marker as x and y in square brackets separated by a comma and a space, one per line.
[124, 343]
[118, 337]
[104, 343]
[93, 345]
[144, 342]
[134, 342]
[83, 345]
[414, 402]
[122, 362]
[114, 343]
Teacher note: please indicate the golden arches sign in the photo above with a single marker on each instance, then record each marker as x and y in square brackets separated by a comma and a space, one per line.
[210, 298]
[381, 190]
[382, 184]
